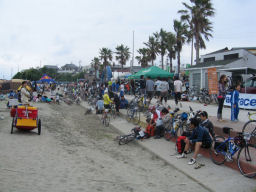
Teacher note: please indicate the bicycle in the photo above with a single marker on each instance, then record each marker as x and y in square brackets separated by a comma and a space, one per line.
[204, 96]
[224, 149]
[105, 118]
[124, 139]
[113, 110]
[250, 126]
[133, 114]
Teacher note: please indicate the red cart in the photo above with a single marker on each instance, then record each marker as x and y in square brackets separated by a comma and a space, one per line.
[25, 118]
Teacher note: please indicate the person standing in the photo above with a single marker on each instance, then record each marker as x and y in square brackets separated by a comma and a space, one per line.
[149, 89]
[142, 85]
[177, 89]
[164, 91]
[132, 86]
[234, 103]
[221, 95]
[157, 86]
[25, 95]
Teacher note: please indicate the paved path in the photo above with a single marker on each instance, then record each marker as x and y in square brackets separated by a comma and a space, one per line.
[212, 112]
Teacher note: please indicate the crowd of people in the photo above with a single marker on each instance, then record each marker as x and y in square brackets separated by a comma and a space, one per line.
[112, 93]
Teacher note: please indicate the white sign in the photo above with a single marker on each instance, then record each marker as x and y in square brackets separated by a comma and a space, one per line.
[246, 101]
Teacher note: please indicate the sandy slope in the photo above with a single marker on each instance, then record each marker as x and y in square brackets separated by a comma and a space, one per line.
[76, 153]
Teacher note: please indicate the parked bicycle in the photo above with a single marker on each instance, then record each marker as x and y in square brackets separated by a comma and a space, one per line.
[224, 149]
[250, 126]
[124, 139]
[133, 114]
[204, 96]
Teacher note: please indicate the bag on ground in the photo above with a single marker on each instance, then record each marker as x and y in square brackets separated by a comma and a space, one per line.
[180, 144]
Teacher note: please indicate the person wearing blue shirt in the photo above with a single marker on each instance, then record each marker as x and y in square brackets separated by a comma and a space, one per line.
[114, 86]
[123, 103]
[99, 106]
[234, 103]
[200, 138]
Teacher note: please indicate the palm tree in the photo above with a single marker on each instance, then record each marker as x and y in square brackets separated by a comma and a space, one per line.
[122, 54]
[198, 15]
[143, 59]
[170, 47]
[106, 56]
[181, 35]
[152, 46]
[162, 40]
[95, 64]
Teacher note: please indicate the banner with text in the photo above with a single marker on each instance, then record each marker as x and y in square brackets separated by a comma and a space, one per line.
[246, 101]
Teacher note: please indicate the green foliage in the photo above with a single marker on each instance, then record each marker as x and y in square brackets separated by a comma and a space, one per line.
[122, 54]
[35, 74]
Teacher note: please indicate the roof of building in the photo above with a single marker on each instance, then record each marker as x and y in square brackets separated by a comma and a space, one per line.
[51, 66]
[71, 66]
[219, 51]
[232, 49]
[214, 63]
[247, 48]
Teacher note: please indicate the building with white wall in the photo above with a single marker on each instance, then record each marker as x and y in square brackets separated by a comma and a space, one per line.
[236, 63]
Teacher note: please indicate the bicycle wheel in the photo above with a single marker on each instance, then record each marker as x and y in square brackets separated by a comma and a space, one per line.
[207, 100]
[250, 127]
[136, 118]
[201, 99]
[246, 160]
[113, 113]
[218, 150]
[107, 121]
[123, 140]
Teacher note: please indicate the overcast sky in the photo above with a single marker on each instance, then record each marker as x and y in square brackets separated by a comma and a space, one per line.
[56, 32]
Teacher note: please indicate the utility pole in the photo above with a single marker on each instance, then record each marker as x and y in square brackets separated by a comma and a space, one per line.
[132, 52]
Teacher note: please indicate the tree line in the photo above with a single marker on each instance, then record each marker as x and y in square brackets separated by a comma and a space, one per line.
[193, 26]
[35, 74]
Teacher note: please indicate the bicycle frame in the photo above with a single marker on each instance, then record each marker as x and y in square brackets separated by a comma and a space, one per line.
[229, 143]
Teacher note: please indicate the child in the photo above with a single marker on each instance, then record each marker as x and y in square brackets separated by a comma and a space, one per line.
[234, 103]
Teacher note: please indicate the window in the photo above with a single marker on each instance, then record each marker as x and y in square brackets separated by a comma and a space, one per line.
[209, 59]
[231, 56]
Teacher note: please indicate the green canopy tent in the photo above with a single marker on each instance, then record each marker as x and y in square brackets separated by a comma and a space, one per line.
[152, 72]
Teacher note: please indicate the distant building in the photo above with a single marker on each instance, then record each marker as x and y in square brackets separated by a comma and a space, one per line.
[69, 68]
[52, 67]
[237, 63]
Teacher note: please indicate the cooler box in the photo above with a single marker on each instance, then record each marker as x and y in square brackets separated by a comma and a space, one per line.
[26, 117]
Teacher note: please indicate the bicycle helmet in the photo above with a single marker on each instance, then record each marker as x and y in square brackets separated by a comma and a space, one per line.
[184, 116]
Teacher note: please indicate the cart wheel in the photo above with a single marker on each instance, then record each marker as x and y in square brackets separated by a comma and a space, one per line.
[39, 126]
[12, 125]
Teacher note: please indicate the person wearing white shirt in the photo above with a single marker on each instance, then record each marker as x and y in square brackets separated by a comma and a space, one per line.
[177, 90]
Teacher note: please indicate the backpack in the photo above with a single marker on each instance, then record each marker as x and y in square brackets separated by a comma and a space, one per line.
[180, 144]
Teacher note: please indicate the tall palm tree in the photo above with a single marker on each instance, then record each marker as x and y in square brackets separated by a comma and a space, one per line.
[143, 59]
[198, 14]
[181, 35]
[95, 64]
[170, 47]
[122, 54]
[162, 46]
[106, 56]
[152, 46]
